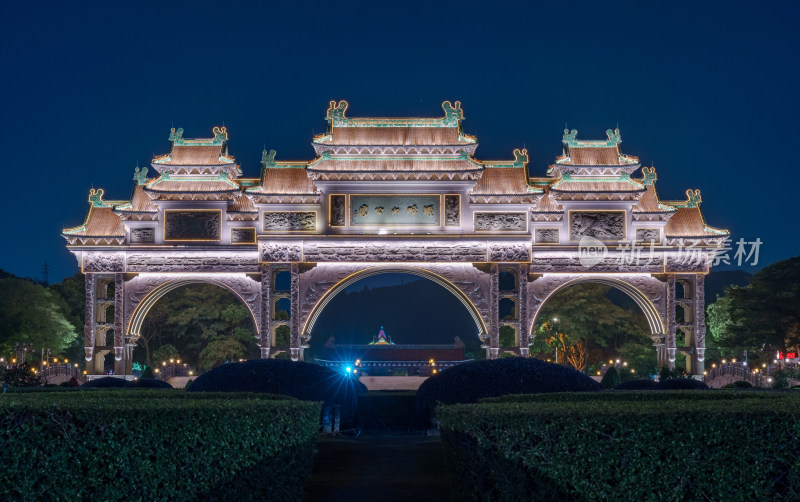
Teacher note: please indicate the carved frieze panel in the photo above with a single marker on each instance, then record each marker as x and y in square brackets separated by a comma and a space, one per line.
[393, 210]
[611, 262]
[602, 225]
[289, 221]
[243, 235]
[511, 252]
[648, 235]
[281, 251]
[546, 236]
[103, 262]
[146, 235]
[420, 251]
[502, 222]
[452, 216]
[146, 262]
[687, 260]
[197, 225]
[338, 211]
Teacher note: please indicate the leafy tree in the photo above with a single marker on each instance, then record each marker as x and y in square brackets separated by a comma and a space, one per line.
[31, 313]
[21, 375]
[165, 353]
[221, 351]
[283, 336]
[71, 294]
[611, 378]
[762, 316]
[508, 337]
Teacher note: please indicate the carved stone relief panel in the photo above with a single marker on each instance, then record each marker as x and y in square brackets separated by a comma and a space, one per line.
[648, 235]
[194, 225]
[243, 236]
[452, 217]
[546, 236]
[338, 211]
[145, 235]
[504, 252]
[602, 225]
[288, 221]
[638, 260]
[218, 262]
[103, 262]
[687, 259]
[508, 222]
[395, 210]
[425, 251]
[280, 251]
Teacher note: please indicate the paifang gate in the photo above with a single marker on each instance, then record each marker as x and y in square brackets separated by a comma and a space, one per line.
[393, 194]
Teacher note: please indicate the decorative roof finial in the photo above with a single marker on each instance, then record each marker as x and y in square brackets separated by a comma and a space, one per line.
[176, 134]
[220, 134]
[267, 158]
[648, 175]
[336, 111]
[140, 175]
[694, 198]
[96, 197]
[452, 115]
[613, 137]
[520, 157]
[569, 136]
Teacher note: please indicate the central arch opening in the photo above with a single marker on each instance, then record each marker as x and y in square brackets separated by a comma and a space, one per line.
[411, 309]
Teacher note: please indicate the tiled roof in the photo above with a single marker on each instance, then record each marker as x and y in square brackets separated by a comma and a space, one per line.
[688, 222]
[100, 222]
[502, 181]
[577, 185]
[389, 164]
[194, 155]
[242, 204]
[285, 180]
[140, 202]
[191, 186]
[394, 136]
[648, 202]
[596, 156]
[548, 204]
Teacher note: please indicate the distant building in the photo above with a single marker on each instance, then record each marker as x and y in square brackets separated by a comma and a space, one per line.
[383, 357]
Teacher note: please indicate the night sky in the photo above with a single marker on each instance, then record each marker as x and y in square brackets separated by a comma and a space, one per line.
[705, 91]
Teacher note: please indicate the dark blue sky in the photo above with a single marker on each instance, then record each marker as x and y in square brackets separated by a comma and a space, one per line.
[705, 91]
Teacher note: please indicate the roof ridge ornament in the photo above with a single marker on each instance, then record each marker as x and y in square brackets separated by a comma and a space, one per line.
[268, 158]
[452, 114]
[694, 198]
[570, 139]
[569, 136]
[614, 137]
[176, 134]
[649, 176]
[96, 199]
[140, 175]
[220, 137]
[520, 157]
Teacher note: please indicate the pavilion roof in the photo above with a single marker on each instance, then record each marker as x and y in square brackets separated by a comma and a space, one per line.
[569, 183]
[594, 152]
[140, 202]
[688, 222]
[396, 164]
[192, 185]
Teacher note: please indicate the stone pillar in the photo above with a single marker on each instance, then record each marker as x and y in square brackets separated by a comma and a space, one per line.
[294, 314]
[89, 322]
[121, 363]
[671, 325]
[524, 321]
[494, 311]
[265, 341]
[699, 325]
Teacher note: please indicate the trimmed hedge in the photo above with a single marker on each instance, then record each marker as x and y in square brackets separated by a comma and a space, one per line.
[147, 383]
[105, 383]
[740, 446]
[163, 446]
[469, 382]
[304, 381]
[641, 384]
[680, 384]
[643, 395]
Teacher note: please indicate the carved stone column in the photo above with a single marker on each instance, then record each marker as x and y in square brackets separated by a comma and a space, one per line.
[294, 314]
[524, 321]
[265, 341]
[89, 322]
[494, 311]
[671, 325]
[120, 363]
[699, 324]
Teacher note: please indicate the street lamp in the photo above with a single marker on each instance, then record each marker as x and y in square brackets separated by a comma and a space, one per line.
[553, 328]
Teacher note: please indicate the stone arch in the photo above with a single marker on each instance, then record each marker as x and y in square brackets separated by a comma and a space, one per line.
[648, 292]
[446, 277]
[143, 292]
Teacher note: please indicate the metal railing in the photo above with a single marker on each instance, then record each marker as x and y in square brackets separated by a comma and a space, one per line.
[740, 372]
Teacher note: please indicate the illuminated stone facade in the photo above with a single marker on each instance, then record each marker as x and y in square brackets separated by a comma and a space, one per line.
[393, 194]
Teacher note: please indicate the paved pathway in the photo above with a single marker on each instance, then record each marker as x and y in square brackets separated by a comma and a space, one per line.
[379, 467]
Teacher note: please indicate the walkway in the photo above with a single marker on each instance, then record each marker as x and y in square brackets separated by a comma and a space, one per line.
[401, 467]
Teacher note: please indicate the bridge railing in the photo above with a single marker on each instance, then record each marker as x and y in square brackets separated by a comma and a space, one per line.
[54, 370]
[741, 373]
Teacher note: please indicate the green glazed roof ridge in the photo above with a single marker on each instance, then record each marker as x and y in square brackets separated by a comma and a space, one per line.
[570, 139]
[220, 137]
[337, 118]
[693, 200]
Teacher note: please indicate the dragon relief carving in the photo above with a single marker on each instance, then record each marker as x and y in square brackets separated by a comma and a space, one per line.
[602, 225]
[451, 214]
[509, 252]
[428, 251]
[229, 262]
[337, 210]
[290, 221]
[546, 236]
[281, 251]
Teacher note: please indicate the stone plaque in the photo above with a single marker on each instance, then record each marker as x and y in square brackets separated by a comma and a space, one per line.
[243, 236]
[502, 222]
[338, 215]
[602, 225]
[394, 210]
[191, 225]
[143, 235]
[547, 236]
[648, 235]
[290, 221]
[451, 211]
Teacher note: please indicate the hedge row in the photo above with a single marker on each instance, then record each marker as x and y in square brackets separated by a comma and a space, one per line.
[106, 446]
[641, 395]
[618, 448]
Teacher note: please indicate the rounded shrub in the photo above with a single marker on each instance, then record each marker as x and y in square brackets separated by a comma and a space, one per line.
[469, 382]
[610, 379]
[304, 381]
[641, 384]
[147, 383]
[680, 384]
[104, 383]
[740, 384]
